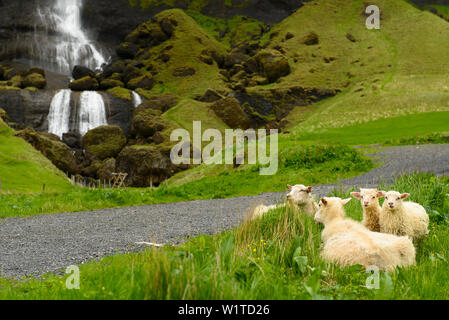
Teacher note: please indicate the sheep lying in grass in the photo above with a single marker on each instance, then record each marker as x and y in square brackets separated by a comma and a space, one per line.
[300, 198]
[369, 198]
[347, 242]
[403, 218]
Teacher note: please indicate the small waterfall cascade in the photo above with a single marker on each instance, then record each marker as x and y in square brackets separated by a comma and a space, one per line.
[67, 44]
[59, 115]
[92, 112]
[137, 99]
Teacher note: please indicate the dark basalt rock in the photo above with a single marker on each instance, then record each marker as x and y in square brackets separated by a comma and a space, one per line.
[81, 72]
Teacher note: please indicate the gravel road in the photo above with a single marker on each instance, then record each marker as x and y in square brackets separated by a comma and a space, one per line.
[49, 243]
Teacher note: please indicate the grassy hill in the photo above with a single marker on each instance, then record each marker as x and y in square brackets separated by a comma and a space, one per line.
[24, 169]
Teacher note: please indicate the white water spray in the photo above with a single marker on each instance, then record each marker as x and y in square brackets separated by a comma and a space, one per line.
[92, 111]
[137, 99]
[70, 46]
[59, 115]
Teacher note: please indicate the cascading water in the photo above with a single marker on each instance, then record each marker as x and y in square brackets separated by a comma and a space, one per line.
[137, 99]
[69, 46]
[59, 115]
[92, 112]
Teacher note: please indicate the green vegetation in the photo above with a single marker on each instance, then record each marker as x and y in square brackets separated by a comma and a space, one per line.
[24, 169]
[276, 257]
[308, 164]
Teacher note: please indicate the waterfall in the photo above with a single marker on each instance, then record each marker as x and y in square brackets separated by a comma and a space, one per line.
[66, 43]
[59, 115]
[92, 112]
[137, 99]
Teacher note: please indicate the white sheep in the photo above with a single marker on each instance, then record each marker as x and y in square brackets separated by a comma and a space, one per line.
[299, 197]
[369, 199]
[403, 218]
[347, 242]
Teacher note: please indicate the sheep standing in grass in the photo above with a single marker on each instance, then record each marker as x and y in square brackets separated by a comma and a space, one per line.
[369, 198]
[347, 242]
[403, 218]
[299, 197]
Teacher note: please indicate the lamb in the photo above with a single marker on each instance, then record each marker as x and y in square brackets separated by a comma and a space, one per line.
[369, 199]
[403, 218]
[300, 197]
[347, 242]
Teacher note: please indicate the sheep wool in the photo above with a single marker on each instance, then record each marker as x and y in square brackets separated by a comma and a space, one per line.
[403, 218]
[347, 242]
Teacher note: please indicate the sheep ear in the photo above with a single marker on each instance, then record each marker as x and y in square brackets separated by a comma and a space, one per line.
[381, 194]
[289, 187]
[324, 201]
[345, 201]
[355, 195]
[405, 195]
[309, 189]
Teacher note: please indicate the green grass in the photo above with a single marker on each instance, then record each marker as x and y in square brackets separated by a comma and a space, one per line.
[24, 169]
[309, 164]
[397, 130]
[276, 257]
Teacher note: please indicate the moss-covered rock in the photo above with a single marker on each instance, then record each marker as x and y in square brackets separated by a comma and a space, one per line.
[161, 103]
[85, 84]
[57, 152]
[274, 64]
[230, 111]
[81, 72]
[106, 169]
[146, 122]
[35, 80]
[145, 165]
[104, 142]
[121, 93]
[106, 84]
[144, 82]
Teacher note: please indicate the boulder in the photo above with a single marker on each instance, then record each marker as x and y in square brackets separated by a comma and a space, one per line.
[106, 169]
[127, 50]
[145, 165]
[35, 80]
[36, 70]
[84, 84]
[273, 64]
[81, 72]
[146, 122]
[144, 82]
[161, 103]
[57, 152]
[110, 83]
[104, 142]
[235, 58]
[72, 139]
[230, 111]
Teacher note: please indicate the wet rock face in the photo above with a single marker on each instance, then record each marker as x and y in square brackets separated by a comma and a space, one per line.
[27, 108]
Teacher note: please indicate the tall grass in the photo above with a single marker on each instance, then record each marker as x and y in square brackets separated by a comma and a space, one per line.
[276, 257]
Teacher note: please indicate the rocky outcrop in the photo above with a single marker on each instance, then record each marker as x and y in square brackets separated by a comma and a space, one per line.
[230, 111]
[56, 151]
[104, 142]
[145, 165]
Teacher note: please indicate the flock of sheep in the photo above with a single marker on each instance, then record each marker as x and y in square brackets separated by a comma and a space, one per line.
[384, 238]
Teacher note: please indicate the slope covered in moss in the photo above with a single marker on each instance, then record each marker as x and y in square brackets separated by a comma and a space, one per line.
[24, 169]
